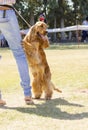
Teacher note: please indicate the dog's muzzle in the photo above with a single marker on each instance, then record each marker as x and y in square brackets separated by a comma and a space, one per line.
[44, 33]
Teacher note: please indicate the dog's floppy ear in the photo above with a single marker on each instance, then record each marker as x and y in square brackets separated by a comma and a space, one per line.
[30, 34]
[32, 31]
[26, 38]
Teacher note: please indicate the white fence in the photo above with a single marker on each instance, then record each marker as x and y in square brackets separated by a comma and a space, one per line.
[65, 29]
[71, 28]
[50, 31]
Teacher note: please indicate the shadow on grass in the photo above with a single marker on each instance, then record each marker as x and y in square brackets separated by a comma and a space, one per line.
[51, 109]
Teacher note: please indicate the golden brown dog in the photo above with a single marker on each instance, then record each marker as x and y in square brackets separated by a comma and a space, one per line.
[34, 43]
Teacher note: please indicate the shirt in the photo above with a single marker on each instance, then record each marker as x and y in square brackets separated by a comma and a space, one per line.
[85, 22]
[7, 2]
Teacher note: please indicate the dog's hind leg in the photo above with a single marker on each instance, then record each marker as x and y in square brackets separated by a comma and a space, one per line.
[47, 90]
[37, 89]
[38, 82]
[48, 94]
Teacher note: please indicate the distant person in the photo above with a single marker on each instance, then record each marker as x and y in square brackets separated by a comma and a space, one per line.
[42, 18]
[85, 32]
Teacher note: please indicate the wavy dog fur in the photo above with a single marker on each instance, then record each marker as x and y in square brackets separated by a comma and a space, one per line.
[34, 43]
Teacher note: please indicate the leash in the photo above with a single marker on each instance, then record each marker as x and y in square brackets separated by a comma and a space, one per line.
[10, 6]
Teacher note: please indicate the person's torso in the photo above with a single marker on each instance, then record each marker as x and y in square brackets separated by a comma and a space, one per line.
[7, 2]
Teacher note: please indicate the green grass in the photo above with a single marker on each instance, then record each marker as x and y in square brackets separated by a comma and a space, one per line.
[66, 111]
[63, 46]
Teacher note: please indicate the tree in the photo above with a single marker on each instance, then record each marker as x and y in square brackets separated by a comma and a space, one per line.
[28, 9]
[59, 10]
[81, 9]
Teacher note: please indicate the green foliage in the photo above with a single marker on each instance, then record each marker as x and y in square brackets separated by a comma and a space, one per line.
[80, 8]
[55, 10]
[28, 9]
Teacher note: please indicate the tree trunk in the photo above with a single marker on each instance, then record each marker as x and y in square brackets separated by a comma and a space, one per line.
[62, 33]
[32, 18]
[55, 27]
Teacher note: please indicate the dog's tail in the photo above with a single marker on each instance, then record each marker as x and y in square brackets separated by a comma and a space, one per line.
[56, 89]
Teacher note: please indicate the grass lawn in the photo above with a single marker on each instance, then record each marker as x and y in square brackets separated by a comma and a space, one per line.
[66, 111]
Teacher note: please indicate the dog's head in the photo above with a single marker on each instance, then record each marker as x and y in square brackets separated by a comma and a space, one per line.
[38, 33]
[40, 28]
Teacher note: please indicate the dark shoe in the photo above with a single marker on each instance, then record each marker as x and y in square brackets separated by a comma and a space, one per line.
[28, 100]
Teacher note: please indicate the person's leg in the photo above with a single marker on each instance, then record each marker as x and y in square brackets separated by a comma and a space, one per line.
[84, 35]
[11, 32]
[87, 36]
[2, 102]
